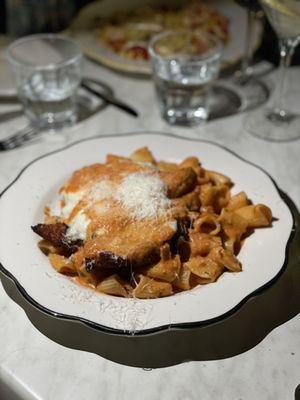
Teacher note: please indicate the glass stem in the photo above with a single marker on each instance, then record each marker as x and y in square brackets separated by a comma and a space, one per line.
[286, 47]
[248, 56]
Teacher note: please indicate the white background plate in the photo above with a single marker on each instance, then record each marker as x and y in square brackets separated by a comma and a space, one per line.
[21, 206]
[81, 31]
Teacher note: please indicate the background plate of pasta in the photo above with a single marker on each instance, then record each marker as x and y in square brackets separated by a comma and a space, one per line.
[142, 231]
[117, 33]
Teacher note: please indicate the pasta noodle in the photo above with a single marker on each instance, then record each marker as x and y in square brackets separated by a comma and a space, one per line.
[143, 155]
[62, 264]
[237, 201]
[114, 286]
[208, 223]
[202, 243]
[139, 227]
[256, 216]
[167, 268]
[205, 268]
[183, 281]
[148, 288]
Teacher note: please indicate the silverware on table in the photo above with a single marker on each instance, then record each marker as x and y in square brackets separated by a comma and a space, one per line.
[93, 86]
[19, 138]
[96, 88]
[86, 108]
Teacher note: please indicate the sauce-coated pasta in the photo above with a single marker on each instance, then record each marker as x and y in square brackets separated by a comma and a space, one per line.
[138, 227]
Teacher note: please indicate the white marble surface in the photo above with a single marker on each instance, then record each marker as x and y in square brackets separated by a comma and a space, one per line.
[33, 367]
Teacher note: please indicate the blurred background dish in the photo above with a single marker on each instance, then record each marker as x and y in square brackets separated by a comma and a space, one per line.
[83, 30]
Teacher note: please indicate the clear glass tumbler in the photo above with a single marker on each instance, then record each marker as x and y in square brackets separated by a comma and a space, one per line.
[184, 65]
[48, 72]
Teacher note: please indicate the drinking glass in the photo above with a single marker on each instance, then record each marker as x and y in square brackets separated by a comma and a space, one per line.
[278, 123]
[255, 90]
[252, 7]
[184, 66]
[48, 72]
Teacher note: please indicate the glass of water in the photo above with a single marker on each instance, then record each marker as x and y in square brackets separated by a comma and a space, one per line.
[48, 72]
[184, 64]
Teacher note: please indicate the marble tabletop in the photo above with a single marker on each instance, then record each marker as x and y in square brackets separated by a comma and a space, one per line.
[32, 367]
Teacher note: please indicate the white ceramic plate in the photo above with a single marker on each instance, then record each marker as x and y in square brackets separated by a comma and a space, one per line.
[21, 206]
[80, 30]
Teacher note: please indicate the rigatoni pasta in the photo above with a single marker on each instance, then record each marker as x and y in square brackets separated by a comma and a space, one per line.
[140, 227]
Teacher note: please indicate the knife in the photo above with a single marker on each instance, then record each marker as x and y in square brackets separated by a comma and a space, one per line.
[89, 85]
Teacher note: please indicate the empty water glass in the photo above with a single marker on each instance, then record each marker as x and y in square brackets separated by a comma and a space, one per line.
[184, 65]
[48, 72]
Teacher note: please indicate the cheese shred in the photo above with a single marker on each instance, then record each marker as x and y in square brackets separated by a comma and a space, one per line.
[143, 194]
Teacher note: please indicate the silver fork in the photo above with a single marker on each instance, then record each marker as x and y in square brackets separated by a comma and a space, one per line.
[19, 138]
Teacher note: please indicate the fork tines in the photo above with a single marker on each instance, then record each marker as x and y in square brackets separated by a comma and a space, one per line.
[18, 139]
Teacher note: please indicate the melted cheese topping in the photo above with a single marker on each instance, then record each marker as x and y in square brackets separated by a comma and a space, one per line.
[55, 208]
[78, 227]
[101, 200]
[70, 200]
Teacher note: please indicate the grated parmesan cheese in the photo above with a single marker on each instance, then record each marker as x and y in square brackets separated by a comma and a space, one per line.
[143, 194]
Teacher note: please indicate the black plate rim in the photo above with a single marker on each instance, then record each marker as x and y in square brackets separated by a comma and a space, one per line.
[162, 328]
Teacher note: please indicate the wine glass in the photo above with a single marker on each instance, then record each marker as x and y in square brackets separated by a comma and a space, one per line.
[278, 123]
[255, 91]
[252, 7]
